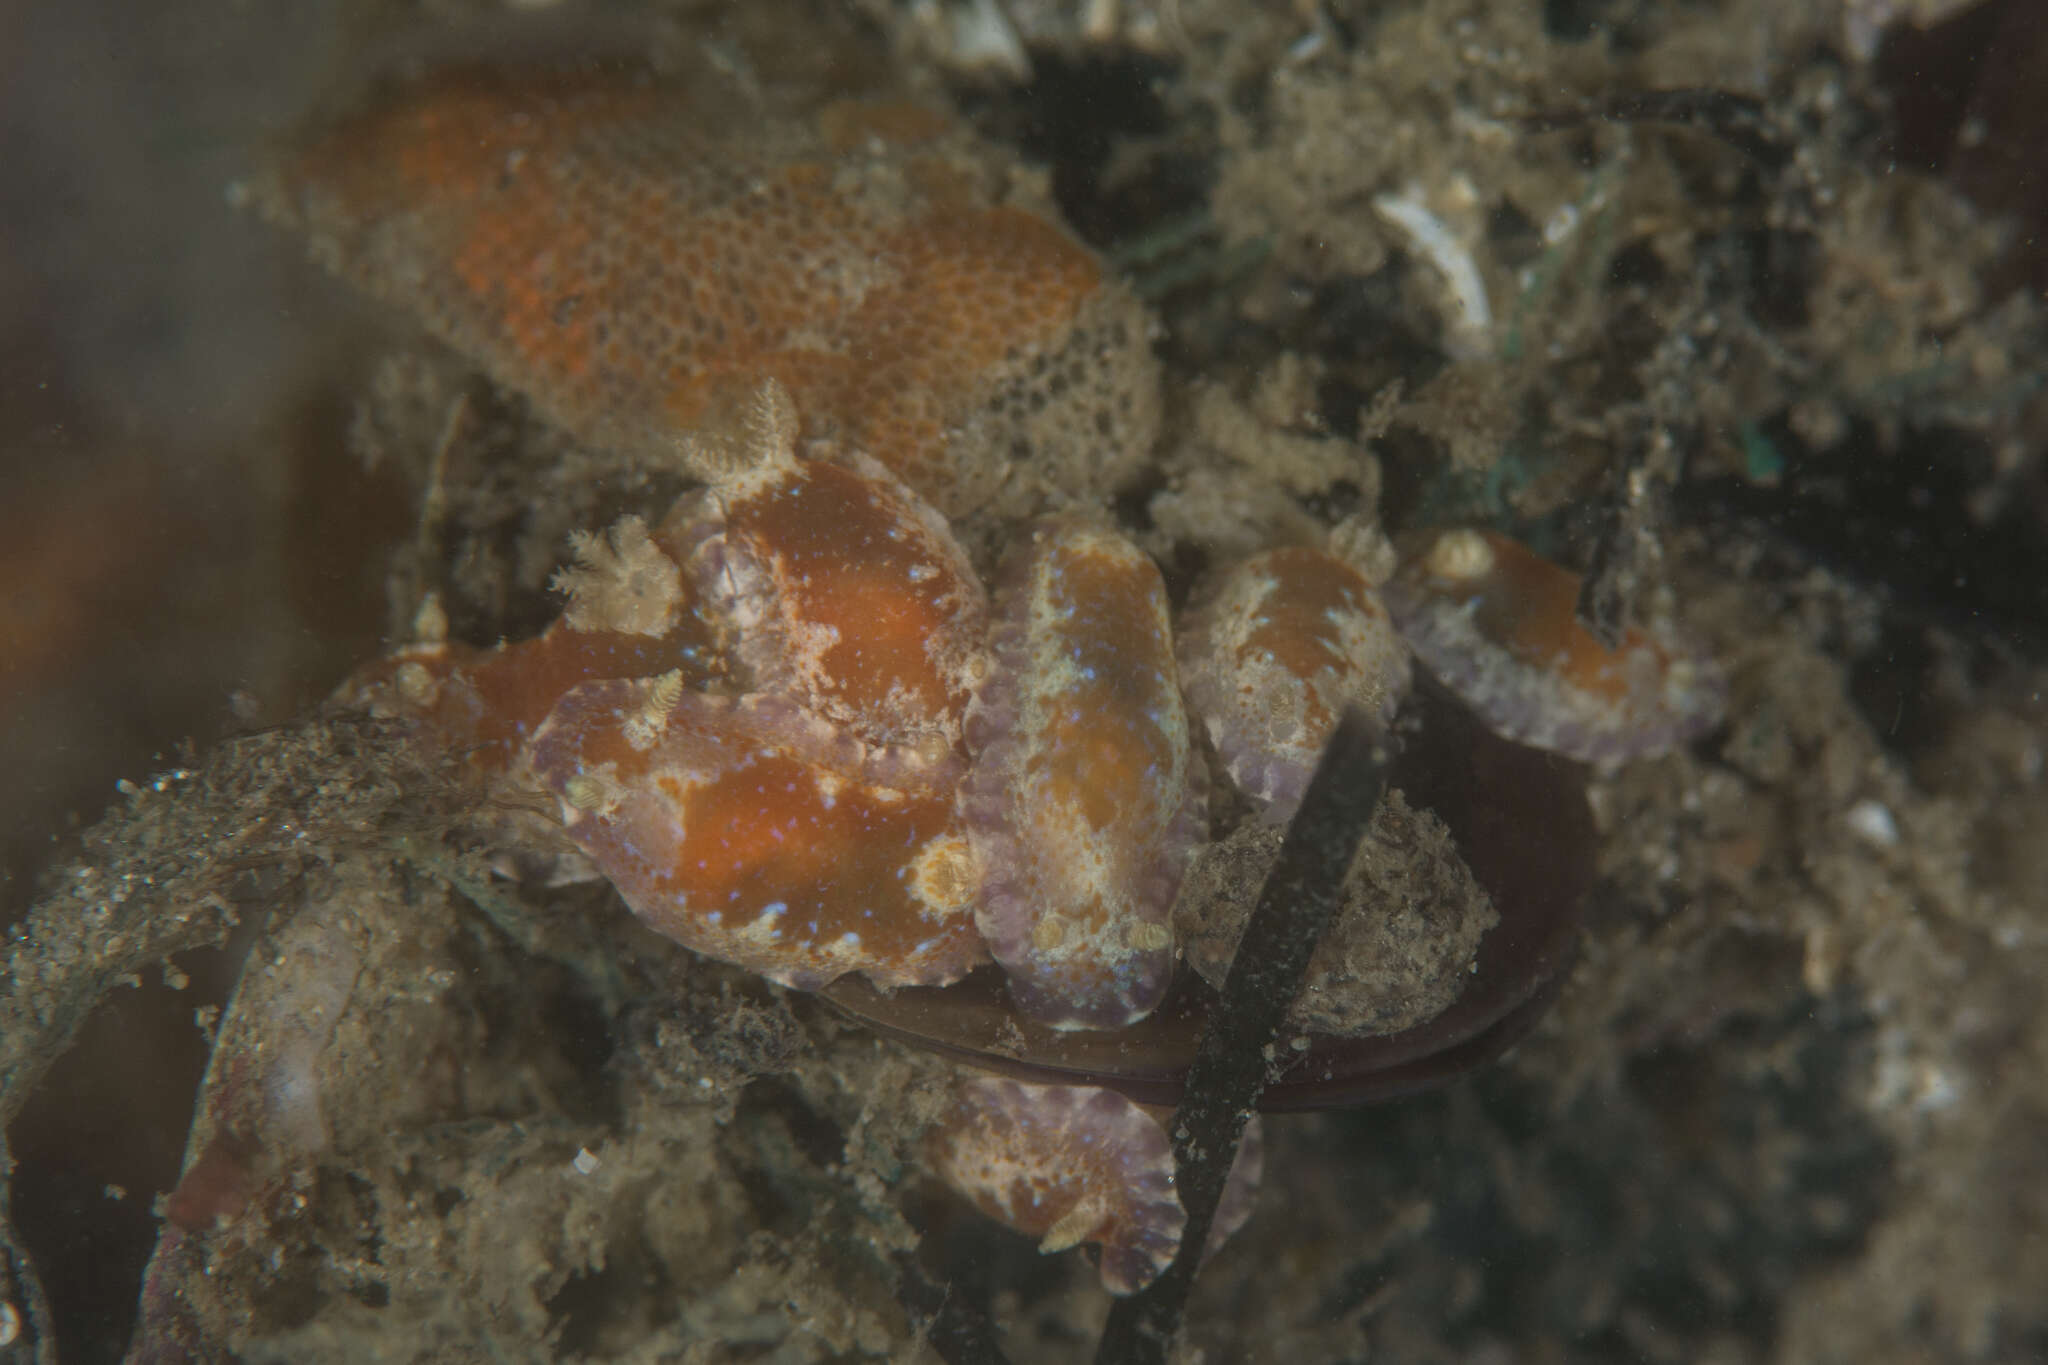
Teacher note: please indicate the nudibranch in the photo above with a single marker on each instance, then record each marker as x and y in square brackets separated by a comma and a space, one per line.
[1271, 653]
[1498, 625]
[1069, 1164]
[636, 255]
[806, 828]
[843, 589]
[1084, 802]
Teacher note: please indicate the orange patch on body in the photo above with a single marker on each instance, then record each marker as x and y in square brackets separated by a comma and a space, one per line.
[1531, 607]
[489, 702]
[747, 832]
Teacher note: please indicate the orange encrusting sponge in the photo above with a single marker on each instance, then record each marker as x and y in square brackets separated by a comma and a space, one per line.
[637, 258]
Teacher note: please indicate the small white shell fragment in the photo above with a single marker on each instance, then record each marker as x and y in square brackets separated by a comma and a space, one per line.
[1872, 822]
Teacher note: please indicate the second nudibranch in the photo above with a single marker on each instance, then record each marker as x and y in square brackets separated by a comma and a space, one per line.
[1084, 801]
[1069, 1164]
[1498, 625]
[1272, 651]
[805, 827]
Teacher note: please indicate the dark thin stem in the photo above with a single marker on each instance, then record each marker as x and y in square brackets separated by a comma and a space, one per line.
[1300, 900]
[1740, 121]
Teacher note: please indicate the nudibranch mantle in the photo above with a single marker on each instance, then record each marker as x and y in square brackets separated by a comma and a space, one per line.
[844, 591]
[746, 829]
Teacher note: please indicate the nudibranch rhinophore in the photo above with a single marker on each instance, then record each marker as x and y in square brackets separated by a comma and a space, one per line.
[1499, 626]
[787, 722]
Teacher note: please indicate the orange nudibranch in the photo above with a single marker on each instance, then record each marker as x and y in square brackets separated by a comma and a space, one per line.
[1498, 625]
[1069, 1164]
[1271, 653]
[1085, 797]
[844, 591]
[630, 614]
